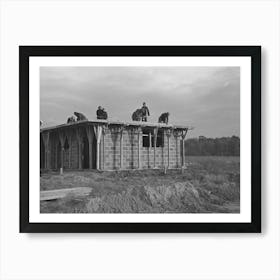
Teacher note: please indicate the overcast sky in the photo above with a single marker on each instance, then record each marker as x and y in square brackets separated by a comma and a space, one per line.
[207, 98]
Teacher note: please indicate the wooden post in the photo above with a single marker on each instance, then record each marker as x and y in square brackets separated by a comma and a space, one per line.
[89, 131]
[69, 137]
[104, 130]
[184, 133]
[62, 137]
[79, 142]
[163, 159]
[80, 154]
[46, 138]
[98, 133]
[121, 147]
[131, 132]
[149, 149]
[176, 134]
[90, 154]
[183, 153]
[168, 151]
[155, 144]
[139, 130]
[56, 141]
[178, 151]
[70, 150]
[168, 134]
[103, 151]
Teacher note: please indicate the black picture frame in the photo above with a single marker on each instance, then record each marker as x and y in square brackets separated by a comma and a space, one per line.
[25, 52]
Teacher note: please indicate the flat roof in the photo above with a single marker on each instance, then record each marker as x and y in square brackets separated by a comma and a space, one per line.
[108, 122]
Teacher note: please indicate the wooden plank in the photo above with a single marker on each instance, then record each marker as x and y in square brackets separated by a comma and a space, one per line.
[61, 193]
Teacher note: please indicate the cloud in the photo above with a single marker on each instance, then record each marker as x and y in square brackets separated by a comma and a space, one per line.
[206, 97]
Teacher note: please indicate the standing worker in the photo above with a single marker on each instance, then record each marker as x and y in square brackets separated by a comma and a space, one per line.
[145, 112]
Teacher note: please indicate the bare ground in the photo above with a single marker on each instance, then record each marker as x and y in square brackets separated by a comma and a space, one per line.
[209, 185]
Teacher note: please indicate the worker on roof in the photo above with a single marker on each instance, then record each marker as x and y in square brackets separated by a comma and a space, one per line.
[145, 112]
[80, 116]
[71, 119]
[164, 118]
[101, 113]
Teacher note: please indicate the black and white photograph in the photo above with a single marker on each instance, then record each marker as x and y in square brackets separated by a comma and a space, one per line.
[140, 139]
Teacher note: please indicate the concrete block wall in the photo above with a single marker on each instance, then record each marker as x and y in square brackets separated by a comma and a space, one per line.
[113, 150]
[130, 152]
[162, 154]
[110, 152]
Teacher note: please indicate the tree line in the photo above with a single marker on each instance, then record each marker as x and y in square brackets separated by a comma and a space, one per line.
[203, 146]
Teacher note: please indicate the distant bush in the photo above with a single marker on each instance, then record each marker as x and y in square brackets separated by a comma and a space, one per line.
[202, 146]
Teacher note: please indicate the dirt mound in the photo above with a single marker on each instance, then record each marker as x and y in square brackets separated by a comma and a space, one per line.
[177, 198]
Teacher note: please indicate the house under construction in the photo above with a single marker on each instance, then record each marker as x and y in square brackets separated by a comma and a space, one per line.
[110, 145]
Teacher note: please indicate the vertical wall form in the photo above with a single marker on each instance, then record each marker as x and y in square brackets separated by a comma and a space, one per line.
[72, 149]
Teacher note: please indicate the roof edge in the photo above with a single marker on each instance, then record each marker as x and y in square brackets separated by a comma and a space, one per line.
[105, 122]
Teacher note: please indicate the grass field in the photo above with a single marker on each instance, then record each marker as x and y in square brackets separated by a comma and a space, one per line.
[208, 185]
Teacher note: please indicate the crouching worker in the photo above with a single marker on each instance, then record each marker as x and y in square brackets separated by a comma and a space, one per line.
[80, 116]
[71, 119]
[163, 118]
[101, 113]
